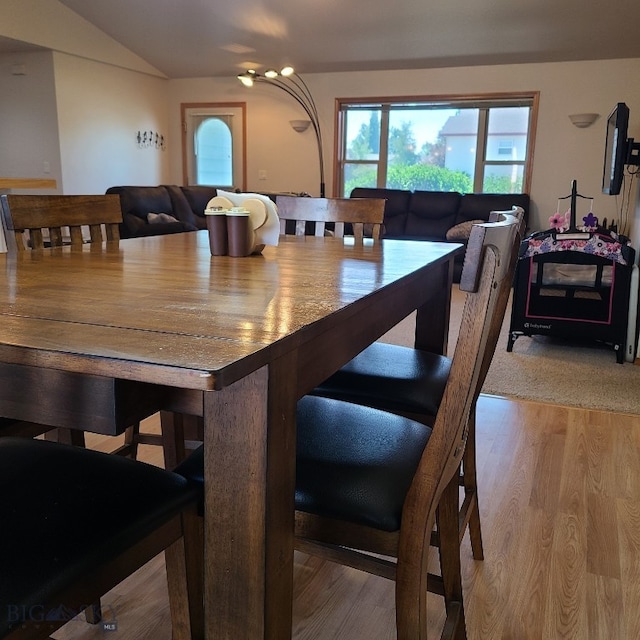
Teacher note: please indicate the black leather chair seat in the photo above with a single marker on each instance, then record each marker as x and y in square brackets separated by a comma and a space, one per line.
[67, 510]
[192, 468]
[355, 463]
[392, 378]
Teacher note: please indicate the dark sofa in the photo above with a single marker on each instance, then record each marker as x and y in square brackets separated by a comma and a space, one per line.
[429, 215]
[185, 204]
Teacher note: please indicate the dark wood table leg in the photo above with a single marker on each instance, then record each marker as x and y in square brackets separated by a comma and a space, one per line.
[249, 435]
[432, 318]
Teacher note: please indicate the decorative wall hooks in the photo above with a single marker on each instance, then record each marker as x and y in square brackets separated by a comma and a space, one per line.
[150, 139]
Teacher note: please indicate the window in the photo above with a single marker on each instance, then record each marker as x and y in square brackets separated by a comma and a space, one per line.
[213, 150]
[213, 144]
[475, 144]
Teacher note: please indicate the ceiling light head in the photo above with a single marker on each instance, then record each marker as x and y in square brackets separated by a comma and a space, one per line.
[247, 78]
[287, 71]
[271, 73]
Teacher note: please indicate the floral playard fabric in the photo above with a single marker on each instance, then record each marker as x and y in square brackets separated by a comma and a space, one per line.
[597, 245]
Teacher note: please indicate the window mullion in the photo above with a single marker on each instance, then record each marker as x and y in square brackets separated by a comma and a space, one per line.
[481, 149]
[383, 156]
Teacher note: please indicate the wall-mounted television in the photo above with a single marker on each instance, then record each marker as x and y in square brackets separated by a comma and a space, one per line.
[619, 150]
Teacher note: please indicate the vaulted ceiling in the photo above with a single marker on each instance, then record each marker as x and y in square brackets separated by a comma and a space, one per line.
[199, 38]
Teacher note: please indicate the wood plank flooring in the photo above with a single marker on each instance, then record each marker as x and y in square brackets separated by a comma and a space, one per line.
[560, 508]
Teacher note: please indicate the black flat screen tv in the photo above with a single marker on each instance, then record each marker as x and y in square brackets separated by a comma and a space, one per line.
[616, 149]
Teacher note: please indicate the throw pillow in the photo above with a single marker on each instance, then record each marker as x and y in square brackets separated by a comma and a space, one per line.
[462, 231]
[158, 218]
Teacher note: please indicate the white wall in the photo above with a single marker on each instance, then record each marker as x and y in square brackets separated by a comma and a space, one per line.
[75, 120]
[562, 152]
[79, 106]
[100, 109]
[28, 118]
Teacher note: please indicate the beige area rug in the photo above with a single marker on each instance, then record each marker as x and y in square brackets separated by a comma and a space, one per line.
[544, 369]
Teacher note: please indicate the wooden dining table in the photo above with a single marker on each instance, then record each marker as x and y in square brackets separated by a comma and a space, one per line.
[107, 334]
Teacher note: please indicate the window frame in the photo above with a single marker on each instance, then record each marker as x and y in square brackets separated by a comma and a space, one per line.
[484, 102]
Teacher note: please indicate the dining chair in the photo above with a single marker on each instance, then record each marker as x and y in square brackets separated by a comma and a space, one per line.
[337, 216]
[56, 557]
[38, 221]
[27, 217]
[411, 382]
[370, 484]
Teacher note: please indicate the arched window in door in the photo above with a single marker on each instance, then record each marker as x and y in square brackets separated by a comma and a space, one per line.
[213, 151]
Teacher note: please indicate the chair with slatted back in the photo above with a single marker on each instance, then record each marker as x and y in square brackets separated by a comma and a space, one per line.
[26, 217]
[363, 216]
[39, 221]
[370, 484]
[411, 382]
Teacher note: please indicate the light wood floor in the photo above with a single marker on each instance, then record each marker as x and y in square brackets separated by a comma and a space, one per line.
[560, 507]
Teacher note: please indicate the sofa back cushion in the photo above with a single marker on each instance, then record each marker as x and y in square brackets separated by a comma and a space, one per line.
[477, 206]
[141, 201]
[395, 210]
[432, 213]
[198, 196]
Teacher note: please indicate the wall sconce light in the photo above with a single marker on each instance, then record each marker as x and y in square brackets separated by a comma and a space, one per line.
[290, 82]
[583, 120]
[300, 125]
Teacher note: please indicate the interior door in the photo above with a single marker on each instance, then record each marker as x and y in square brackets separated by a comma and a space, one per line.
[214, 144]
